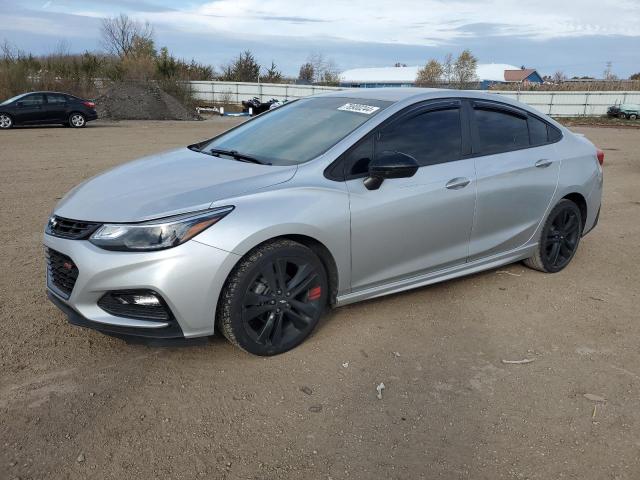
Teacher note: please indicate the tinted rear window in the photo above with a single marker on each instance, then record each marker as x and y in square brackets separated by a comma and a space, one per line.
[537, 131]
[56, 98]
[500, 131]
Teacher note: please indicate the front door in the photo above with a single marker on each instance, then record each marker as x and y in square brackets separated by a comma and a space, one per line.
[30, 109]
[411, 226]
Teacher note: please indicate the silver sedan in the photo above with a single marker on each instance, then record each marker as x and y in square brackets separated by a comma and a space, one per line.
[322, 202]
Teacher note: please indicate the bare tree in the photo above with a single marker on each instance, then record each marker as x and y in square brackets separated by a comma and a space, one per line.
[9, 52]
[430, 75]
[121, 35]
[608, 75]
[464, 69]
[447, 68]
[559, 77]
[324, 69]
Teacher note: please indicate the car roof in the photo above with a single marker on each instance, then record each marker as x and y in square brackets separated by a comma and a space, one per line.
[399, 94]
[389, 94]
[409, 95]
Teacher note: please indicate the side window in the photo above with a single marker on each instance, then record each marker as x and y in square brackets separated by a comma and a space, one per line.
[358, 159]
[537, 131]
[500, 131]
[432, 137]
[32, 100]
[554, 134]
[56, 98]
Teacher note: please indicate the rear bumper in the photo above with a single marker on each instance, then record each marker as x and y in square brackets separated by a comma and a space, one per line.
[91, 116]
[595, 223]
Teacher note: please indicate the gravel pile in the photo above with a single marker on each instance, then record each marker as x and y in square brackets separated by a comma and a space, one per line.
[141, 102]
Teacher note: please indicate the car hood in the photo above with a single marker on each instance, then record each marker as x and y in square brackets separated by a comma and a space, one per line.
[170, 183]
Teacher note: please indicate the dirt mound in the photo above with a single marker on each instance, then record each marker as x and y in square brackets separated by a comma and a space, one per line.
[141, 102]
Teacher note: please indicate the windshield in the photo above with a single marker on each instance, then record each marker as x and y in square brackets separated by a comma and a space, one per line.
[13, 99]
[299, 131]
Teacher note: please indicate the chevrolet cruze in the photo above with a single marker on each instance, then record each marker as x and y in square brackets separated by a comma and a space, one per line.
[322, 202]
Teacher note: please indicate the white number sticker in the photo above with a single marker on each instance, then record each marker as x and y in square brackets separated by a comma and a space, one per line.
[358, 108]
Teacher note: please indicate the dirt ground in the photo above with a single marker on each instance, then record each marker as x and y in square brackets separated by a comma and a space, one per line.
[77, 404]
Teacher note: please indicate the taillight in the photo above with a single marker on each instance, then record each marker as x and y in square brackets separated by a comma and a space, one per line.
[600, 156]
[89, 104]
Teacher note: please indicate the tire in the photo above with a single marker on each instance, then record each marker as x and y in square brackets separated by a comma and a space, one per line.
[633, 116]
[559, 238]
[77, 120]
[6, 122]
[622, 116]
[261, 317]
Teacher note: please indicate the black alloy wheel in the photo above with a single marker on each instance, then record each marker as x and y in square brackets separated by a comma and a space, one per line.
[559, 239]
[562, 238]
[274, 298]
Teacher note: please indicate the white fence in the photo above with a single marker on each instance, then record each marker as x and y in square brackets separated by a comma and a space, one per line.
[573, 104]
[236, 92]
[557, 104]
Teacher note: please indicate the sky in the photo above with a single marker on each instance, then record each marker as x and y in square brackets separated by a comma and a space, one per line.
[577, 37]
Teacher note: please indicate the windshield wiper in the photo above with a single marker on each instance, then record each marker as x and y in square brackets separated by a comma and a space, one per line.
[237, 156]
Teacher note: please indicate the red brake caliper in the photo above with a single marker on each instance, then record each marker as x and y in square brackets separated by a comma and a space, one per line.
[314, 293]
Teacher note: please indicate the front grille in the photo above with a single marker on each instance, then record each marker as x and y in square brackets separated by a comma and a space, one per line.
[62, 272]
[122, 304]
[71, 229]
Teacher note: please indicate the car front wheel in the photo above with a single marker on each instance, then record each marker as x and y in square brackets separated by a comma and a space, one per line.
[274, 298]
[77, 120]
[5, 121]
[559, 238]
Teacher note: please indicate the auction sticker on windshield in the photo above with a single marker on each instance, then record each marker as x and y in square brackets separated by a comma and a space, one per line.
[358, 108]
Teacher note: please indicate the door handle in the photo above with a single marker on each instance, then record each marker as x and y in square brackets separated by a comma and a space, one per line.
[457, 183]
[543, 163]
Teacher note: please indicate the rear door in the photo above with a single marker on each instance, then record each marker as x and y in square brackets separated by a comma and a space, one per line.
[56, 107]
[411, 226]
[30, 109]
[517, 172]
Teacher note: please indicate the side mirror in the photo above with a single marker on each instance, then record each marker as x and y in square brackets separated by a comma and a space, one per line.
[390, 165]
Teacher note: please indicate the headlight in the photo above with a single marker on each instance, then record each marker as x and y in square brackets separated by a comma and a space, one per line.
[156, 234]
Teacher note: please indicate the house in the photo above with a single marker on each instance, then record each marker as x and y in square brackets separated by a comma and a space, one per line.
[487, 73]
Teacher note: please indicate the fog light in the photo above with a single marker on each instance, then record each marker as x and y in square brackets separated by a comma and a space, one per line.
[146, 300]
[138, 304]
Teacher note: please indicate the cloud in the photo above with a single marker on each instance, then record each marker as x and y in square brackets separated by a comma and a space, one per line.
[427, 22]
[584, 33]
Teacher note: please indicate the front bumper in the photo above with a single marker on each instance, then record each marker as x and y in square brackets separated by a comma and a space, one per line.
[188, 277]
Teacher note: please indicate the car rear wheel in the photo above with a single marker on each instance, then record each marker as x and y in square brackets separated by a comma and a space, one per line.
[559, 238]
[273, 299]
[77, 120]
[633, 116]
[5, 121]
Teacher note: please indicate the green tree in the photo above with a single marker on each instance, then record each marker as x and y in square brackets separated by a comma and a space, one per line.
[244, 68]
[273, 75]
